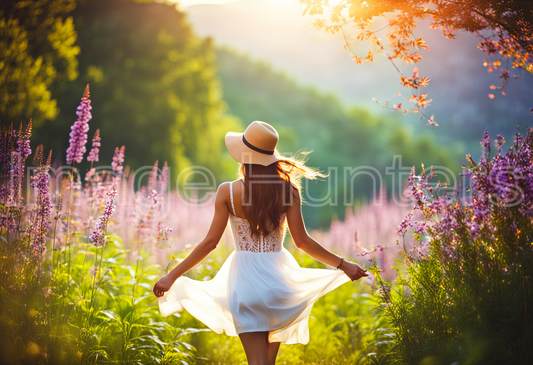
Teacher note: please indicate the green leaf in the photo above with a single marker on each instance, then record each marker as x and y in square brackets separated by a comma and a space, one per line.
[109, 314]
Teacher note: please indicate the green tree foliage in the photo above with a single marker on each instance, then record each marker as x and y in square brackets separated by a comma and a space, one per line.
[37, 48]
[341, 138]
[153, 85]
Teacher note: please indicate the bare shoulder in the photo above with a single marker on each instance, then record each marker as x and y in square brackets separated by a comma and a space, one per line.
[223, 191]
[294, 202]
[224, 186]
[295, 193]
[222, 196]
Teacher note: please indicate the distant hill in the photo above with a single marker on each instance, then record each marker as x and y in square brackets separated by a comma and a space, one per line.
[282, 37]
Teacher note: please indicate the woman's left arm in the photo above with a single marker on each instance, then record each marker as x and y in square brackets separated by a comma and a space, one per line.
[202, 250]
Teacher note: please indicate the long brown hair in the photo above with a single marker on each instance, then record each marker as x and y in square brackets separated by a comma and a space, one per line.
[266, 188]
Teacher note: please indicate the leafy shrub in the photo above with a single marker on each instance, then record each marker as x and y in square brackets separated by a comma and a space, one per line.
[465, 294]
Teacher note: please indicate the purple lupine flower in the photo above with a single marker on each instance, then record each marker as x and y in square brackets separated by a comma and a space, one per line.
[163, 182]
[118, 160]
[3, 193]
[485, 143]
[163, 231]
[152, 178]
[135, 206]
[21, 152]
[497, 186]
[90, 174]
[23, 143]
[363, 252]
[406, 223]
[93, 155]
[78, 134]
[416, 189]
[499, 142]
[97, 188]
[360, 250]
[154, 197]
[146, 227]
[41, 181]
[98, 235]
[518, 140]
[437, 206]
[421, 228]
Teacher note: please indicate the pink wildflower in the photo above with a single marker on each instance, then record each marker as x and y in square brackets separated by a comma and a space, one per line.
[78, 135]
[98, 236]
[118, 160]
[41, 181]
[152, 178]
[163, 231]
[93, 155]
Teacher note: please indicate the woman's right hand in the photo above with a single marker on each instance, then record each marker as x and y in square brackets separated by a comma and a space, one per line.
[353, 270]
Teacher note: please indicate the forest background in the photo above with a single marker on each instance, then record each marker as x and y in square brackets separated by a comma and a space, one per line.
[169, 94]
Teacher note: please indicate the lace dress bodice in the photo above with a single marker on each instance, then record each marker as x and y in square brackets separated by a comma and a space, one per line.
[245, 241]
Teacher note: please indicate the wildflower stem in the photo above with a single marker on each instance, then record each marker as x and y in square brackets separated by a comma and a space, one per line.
[67, 238]
[86, 249]
[54, 242]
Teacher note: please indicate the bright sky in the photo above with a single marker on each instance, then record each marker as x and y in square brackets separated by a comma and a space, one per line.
[185, 3]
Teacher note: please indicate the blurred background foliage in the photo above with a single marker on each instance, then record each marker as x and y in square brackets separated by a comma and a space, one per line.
[153, 86]
[169, 95]
[38, 47]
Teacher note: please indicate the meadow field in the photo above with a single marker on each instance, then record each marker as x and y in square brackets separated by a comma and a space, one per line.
[100, 198]
[81, 252]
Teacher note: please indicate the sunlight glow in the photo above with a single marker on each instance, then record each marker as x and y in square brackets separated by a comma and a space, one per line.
[283, 2]
[185, 3]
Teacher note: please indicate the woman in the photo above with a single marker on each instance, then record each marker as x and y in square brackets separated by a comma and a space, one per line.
[260, 293]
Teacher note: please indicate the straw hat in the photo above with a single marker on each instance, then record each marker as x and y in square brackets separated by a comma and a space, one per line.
[255, 146]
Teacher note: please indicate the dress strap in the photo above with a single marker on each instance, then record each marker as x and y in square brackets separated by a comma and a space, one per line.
[231, 195]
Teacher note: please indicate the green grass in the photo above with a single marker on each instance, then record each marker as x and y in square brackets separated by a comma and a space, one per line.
[68, 315]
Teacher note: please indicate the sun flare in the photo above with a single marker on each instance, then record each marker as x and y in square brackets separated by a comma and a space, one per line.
[185, 3]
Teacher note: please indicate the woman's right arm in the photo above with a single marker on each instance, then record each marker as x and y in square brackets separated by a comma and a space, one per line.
[307, 244]
[208, 244]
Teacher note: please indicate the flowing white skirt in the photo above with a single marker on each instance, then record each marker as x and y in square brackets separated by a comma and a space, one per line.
[255, 292]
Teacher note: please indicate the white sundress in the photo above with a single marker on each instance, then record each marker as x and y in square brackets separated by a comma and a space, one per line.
[260, 287]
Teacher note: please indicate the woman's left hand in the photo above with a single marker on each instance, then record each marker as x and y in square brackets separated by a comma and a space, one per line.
[163, 285]
[353, 270]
